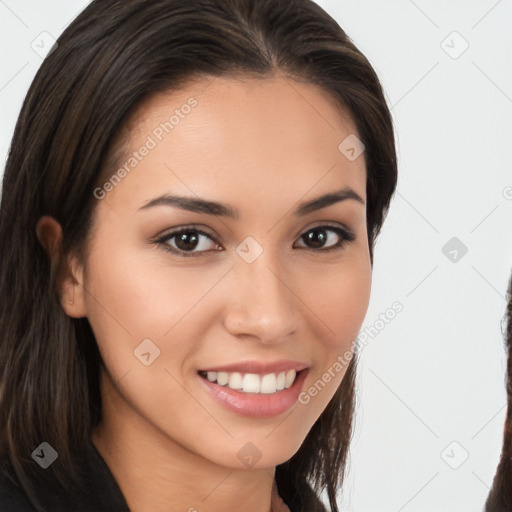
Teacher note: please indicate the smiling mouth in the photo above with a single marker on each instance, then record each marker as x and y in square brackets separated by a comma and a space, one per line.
[252, 382]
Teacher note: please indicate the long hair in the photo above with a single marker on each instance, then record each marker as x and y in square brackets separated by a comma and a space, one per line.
[500, 496]
[113, 56]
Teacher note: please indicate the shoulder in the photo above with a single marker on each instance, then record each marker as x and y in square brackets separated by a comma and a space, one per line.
[98, 492]
[286, 495]
[12, 497]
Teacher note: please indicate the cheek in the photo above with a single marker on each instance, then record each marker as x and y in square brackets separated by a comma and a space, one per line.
[340, 299]
[140, 297]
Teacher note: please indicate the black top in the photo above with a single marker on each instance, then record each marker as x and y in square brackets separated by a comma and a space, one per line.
[101, 492]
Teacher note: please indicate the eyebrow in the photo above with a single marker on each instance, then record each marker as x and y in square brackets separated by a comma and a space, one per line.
[198, 205]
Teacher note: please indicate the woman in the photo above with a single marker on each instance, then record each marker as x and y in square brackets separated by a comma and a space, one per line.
[189, 210]
[500, 496]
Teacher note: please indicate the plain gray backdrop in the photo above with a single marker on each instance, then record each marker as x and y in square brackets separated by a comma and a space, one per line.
[431, 393]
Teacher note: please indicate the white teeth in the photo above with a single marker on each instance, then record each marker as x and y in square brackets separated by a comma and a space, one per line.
[280, 381]
[252, 382]
[235, 381]
[268, 383]
[290, 377]
[222, 378]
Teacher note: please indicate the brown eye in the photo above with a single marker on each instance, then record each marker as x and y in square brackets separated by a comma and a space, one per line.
[186, 241]
[317, 237]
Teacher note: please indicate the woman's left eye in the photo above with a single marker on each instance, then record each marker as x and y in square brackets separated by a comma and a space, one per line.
[186, 240]
[317, 236]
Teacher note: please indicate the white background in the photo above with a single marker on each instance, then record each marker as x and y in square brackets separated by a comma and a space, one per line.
[435, 374]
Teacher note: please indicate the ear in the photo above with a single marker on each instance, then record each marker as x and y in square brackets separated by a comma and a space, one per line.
[70, 272]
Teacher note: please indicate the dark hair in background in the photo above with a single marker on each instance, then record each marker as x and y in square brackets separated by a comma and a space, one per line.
[500, 497]
[113, 56]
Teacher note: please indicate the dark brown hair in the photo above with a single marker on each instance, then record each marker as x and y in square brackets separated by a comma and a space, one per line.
[114, 55]
[500, 496]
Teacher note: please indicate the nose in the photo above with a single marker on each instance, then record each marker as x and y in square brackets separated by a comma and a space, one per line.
[261, 301]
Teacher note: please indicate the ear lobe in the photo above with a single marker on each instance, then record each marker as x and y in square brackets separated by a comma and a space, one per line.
[70, 273]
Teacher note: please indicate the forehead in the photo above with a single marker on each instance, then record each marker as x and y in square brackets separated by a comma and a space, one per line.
[272, 138]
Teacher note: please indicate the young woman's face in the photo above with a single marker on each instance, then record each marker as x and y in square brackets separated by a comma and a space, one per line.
[272, 288]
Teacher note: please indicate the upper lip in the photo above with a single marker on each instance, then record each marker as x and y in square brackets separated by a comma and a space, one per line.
[282, 365]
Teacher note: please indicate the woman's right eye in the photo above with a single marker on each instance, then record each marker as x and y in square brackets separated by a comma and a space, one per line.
[185, 240]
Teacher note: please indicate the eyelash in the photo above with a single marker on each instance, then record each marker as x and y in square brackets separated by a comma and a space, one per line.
[345, 235]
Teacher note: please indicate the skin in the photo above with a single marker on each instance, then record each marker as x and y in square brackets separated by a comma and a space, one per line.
[260, 146]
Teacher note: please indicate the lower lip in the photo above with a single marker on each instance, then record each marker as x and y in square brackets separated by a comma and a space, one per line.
[256, 405]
